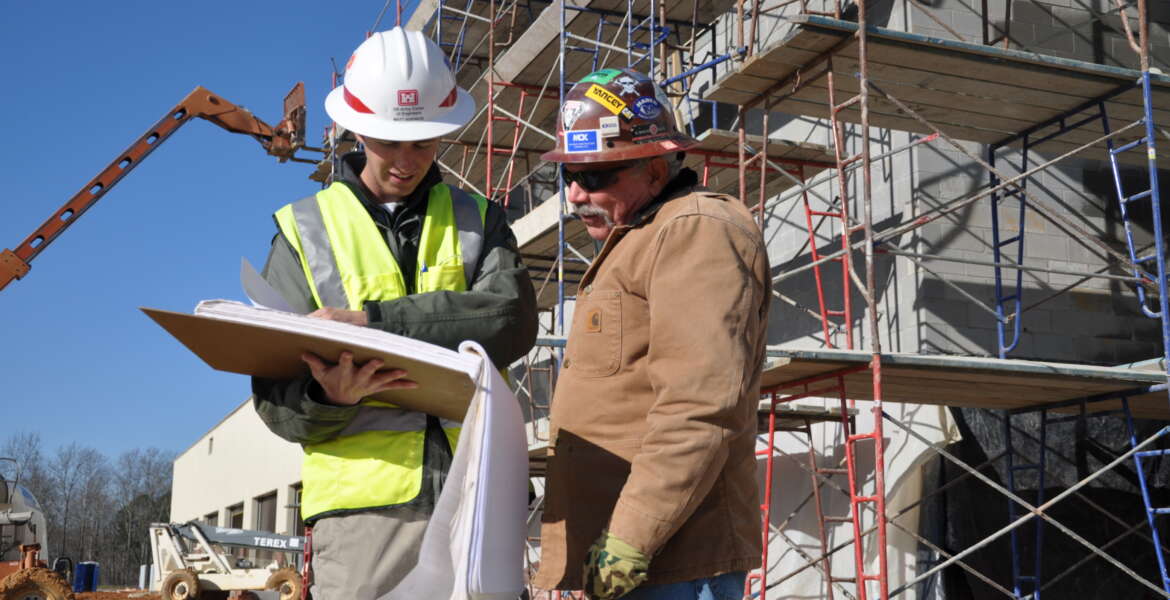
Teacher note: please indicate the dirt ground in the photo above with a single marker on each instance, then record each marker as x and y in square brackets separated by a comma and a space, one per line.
[116, 595]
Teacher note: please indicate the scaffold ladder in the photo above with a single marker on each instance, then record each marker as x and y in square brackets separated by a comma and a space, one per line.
[1127, 203]
[456, 55]
[1026, 584]
[1008, 306]
[1152, 512]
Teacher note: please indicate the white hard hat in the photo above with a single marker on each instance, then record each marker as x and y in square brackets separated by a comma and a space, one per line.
[398, 86]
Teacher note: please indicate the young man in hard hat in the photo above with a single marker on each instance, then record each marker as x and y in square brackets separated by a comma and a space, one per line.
[651, 485]
[388, 245]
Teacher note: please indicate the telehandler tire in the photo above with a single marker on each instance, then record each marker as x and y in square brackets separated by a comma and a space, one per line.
[286, 582]
[35, 584]
[180, 585]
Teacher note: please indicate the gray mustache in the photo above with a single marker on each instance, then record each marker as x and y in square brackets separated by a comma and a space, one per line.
[588, 210]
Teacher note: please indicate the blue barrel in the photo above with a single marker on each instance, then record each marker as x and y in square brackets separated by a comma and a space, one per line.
[85, 577]
[95, 571]
[81, 577]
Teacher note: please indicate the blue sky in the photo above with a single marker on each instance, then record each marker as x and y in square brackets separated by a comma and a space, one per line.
[83, 80]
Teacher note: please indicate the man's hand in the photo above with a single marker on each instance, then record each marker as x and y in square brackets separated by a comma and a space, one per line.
[346, 384]
[353, 317]
[613, 568]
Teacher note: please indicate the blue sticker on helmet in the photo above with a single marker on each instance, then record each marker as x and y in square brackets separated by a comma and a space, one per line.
[586, 140]
[647, 108]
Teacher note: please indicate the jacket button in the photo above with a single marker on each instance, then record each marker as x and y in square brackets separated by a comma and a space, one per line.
[566, 363]
[589, 288]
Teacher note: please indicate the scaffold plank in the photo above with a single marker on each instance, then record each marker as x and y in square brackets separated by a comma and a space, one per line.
[977, 93]
[719, 148]
[788, 417]
[973, 382]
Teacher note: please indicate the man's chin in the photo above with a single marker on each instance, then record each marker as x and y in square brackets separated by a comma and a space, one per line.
[598, 232]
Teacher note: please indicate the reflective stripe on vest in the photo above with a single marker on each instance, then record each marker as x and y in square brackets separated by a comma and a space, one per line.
[377, 460]
[334, 236]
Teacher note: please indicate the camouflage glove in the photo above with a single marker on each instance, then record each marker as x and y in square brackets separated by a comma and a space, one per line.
[613, 568]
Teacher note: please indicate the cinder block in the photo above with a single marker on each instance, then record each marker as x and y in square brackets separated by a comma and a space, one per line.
[977, 318]
[1147, 330]
[1046, 246]
[1052, 346]
[1133, 351]
[1057, 43]
[968, 23]
[1038, 320]
[1028, 11]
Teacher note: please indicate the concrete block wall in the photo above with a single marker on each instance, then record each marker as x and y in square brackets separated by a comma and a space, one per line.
[929, 308]
[1098, 320]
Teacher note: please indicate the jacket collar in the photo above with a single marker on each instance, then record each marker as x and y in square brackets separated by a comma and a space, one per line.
[681, 185]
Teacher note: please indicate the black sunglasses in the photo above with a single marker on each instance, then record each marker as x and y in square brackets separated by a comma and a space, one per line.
[597, 179]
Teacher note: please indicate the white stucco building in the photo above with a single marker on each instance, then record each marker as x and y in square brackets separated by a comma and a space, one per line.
[239, 474]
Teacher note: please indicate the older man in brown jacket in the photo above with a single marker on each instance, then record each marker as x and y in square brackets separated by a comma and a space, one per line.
[651, 486]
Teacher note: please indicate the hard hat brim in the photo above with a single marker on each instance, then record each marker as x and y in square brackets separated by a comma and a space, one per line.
[371, 125]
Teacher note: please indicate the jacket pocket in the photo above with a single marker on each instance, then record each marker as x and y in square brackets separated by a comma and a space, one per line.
[595, 342]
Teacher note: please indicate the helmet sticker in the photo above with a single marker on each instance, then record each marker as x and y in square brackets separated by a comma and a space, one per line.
[603, 76]
[606, 98]
[647, 130]
[647, 108]
[586, 140]
[629, 85]
[609, 126]
[627, 114]
[569, 113]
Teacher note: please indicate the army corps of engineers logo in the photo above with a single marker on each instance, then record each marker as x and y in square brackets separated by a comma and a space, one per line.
[407, 97]
[408, 108]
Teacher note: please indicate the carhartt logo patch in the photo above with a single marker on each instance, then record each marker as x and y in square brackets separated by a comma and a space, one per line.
[593, 321]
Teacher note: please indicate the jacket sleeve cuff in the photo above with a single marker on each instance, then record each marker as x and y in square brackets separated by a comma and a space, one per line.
[645, 532]
[319, 408]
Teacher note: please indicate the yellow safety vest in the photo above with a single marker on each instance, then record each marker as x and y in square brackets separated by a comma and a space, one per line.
[377, 461]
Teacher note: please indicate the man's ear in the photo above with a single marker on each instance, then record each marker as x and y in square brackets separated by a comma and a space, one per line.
[657, 170]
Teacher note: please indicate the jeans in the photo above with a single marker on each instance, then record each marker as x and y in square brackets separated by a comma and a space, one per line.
[728, 586]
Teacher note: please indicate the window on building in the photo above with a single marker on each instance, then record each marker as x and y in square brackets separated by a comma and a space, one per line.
[235, 516]
[266, 512]
[210, 444]
[211, 518]
[294, 510]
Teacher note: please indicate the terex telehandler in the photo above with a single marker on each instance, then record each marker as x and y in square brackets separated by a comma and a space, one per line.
[194, 561]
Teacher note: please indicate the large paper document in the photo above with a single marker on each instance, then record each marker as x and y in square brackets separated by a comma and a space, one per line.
[473, 548]
[231, 336]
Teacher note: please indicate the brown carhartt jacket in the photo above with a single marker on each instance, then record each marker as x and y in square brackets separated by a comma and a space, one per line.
[654, 418]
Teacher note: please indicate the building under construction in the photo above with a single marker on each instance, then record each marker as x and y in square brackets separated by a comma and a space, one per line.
[967, 389]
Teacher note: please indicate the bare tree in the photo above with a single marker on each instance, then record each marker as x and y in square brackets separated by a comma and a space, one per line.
[96, 509]
[25, 448]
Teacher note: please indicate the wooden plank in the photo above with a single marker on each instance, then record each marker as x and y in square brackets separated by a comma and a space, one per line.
[967, 93]
[901, 65]
[969, 382]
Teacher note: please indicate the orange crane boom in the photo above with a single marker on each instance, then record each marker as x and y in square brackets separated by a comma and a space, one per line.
[283, 141]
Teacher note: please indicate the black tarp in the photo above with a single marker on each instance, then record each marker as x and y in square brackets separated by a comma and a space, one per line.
[969, 511]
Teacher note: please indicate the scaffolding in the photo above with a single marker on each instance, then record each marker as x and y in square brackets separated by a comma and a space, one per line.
[742, 71]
